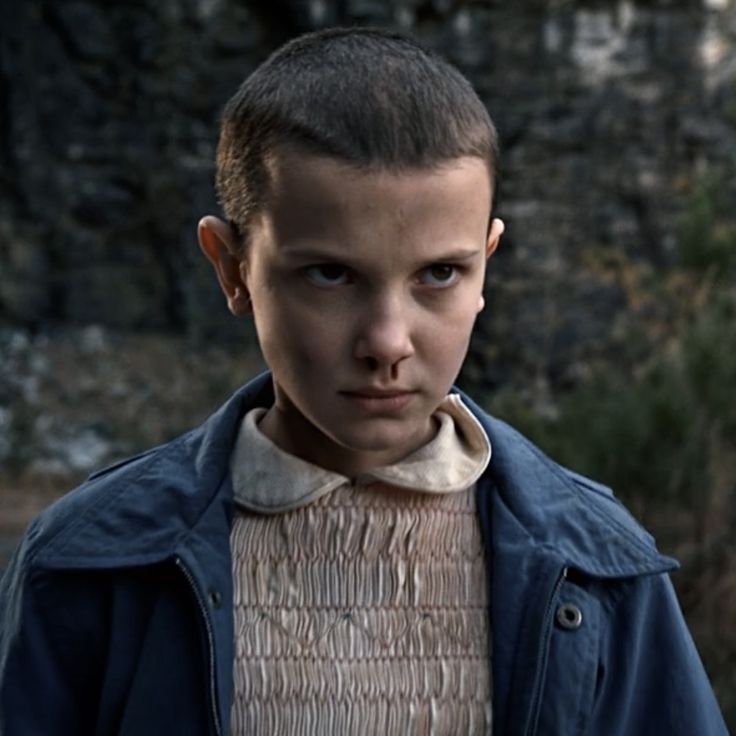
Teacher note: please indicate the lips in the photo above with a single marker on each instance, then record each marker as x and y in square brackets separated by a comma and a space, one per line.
[377, 401]
[378, 393]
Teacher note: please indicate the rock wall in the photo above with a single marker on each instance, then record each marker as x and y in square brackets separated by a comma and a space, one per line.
[607, 110]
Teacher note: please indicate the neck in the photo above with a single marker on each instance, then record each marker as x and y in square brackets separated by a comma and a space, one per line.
[291, 431]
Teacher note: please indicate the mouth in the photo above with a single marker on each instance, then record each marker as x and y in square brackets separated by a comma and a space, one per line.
[374, 400]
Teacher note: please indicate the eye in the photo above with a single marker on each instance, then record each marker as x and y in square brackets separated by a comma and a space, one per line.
[327, 274]
[440, 274]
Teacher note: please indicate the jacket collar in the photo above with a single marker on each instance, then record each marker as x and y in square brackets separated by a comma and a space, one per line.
[148, 508]
[560, 513]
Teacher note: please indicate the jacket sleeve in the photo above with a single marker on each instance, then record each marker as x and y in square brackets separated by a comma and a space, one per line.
[49, 682]
[651, 679]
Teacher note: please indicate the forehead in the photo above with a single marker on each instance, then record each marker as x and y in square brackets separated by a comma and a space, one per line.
[316, 196]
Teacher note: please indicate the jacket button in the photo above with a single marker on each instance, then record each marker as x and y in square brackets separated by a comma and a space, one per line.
[569, 616]
[215, 598]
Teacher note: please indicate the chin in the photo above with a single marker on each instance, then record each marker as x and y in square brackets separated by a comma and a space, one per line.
[377, 440]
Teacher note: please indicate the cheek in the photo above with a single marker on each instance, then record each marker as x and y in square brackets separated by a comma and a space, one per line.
[451, 348]
[446, 341]
[293, 340]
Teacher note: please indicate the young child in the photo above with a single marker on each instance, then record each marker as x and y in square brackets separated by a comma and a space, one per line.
[349, 545]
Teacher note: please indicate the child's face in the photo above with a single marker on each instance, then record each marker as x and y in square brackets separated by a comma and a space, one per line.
[364, 288]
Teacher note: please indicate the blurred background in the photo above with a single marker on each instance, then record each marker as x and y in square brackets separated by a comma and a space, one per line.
[609, 334]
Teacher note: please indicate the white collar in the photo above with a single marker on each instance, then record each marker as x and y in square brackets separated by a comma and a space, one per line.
[266, 479]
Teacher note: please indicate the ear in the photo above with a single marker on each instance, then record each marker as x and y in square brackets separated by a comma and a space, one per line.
[494, 238]
[219, 243]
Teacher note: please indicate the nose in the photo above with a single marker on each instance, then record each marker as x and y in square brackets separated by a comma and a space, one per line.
[384, 337]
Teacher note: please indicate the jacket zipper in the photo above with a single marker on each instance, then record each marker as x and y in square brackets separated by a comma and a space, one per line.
[536, 701]
[210, 641]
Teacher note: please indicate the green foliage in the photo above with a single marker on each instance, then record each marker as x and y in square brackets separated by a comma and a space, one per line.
[647, 434]
[707, 237]
[709, 355]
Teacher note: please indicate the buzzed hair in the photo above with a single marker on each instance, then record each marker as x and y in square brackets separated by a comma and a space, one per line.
[371, 98]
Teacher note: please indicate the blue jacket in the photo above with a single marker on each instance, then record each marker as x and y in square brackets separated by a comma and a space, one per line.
[116, 611]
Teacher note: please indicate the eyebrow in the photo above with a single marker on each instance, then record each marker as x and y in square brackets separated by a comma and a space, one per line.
[316, 254]
[462, 254]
